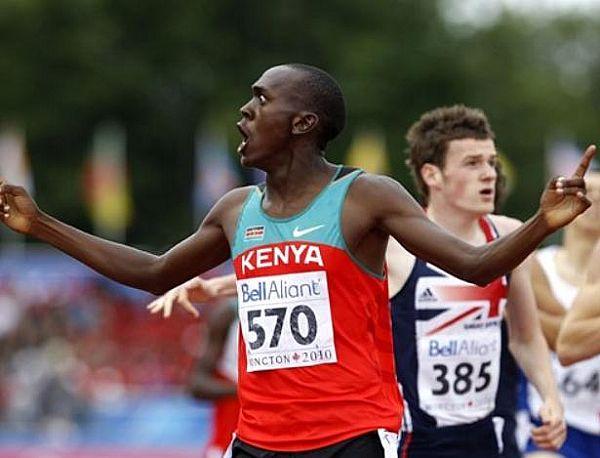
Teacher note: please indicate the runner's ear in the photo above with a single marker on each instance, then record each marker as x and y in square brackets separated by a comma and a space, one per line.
[431, 174]
[304, 122]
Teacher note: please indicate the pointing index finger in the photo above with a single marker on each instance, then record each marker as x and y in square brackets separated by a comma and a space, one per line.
[585, 161]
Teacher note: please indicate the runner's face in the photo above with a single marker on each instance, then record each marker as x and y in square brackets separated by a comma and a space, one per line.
[590, 220]
[267, 117]
[469, 175]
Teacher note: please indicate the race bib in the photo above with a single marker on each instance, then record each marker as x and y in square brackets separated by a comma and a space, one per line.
[286, 321]
[458, 349]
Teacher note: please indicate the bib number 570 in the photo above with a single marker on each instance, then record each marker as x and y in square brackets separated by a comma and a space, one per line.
[298, 313]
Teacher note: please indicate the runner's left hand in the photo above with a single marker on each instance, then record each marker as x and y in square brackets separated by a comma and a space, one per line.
[553, 431]
[564, 198]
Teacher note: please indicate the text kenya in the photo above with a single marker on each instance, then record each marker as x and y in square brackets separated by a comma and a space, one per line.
[275, 256]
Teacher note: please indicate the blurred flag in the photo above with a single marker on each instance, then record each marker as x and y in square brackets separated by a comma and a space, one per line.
[368, 152]
[214, 171]
[106, 185]
[14, 163]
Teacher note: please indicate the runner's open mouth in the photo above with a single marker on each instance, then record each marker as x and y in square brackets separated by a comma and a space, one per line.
[245, 138]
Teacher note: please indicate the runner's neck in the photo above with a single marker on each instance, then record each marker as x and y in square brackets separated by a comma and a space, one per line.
[463, 225]
[288, 191]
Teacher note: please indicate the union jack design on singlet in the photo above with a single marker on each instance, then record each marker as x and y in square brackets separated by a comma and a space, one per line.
[316, 354]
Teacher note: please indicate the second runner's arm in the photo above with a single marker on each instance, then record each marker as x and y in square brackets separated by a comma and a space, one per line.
[528, 346]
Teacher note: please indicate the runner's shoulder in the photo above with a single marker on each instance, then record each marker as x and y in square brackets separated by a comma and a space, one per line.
[230, 204]
[235, 198]
[376, 190]
[505, 224]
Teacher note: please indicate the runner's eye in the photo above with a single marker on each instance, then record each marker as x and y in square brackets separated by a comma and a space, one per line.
[262, 99]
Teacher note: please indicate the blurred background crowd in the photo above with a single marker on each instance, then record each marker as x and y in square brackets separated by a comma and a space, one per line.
[120, 117]
[83, 363]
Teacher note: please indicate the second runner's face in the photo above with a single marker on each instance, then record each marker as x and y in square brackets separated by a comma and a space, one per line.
[469, 175]
[267, 117]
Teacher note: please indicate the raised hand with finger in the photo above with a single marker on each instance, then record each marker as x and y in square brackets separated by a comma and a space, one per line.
[565, 198]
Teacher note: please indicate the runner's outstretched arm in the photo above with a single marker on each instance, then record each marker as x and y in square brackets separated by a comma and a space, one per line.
[387, 206]
[579, 336]
[203, 250]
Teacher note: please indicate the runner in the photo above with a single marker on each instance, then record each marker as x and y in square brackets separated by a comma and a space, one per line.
[215, 375]
[458, 377]
[558, 275]
[316, 360]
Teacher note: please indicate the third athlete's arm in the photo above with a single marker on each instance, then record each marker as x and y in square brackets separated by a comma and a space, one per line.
[579, 336]
[550, 311]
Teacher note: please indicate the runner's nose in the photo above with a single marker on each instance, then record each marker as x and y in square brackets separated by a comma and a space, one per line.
[246, 110]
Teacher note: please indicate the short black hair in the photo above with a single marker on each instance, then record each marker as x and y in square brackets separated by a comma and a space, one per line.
[324, 96]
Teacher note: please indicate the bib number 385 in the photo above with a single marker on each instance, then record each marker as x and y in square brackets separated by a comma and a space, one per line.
[286, 321]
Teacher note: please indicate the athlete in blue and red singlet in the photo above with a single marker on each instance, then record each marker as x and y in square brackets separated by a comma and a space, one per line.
[452, 349]
[299, 289]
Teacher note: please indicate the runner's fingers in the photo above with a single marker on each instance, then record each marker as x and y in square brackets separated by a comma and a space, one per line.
[549, 435]
[4, 205]
[168, 307]
[553, 443]
[155, 305]
[190, 308]
[585, 161]
[573, 182]
[539, 432]
[572, 191]
[557, 182]
[550, 418]
[546, 443]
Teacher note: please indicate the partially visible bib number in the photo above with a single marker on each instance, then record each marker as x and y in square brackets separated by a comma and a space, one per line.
[286, 321]
[579, 386]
